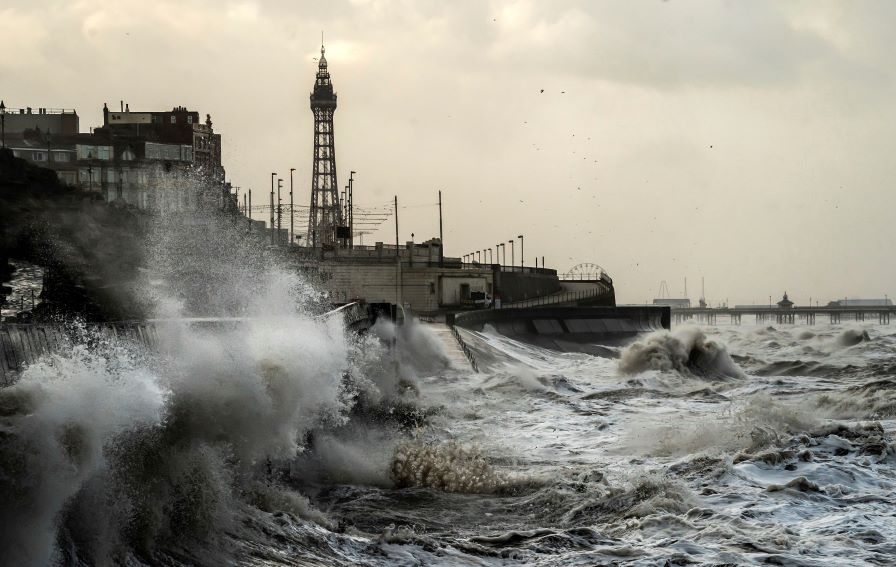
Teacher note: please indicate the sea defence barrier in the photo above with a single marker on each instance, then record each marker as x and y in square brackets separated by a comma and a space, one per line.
[22, 344]
[569, 329]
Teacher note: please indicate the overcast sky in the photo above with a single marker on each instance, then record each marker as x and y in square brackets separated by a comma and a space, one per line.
[748, 142]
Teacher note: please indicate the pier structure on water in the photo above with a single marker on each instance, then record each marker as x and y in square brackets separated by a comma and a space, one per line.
[791, 315]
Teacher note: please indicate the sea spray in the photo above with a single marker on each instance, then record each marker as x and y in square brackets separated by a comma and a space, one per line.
[56, 422]
[686, 350]
[447, 466]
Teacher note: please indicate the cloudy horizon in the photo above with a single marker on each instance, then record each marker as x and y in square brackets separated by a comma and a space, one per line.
[743, 142]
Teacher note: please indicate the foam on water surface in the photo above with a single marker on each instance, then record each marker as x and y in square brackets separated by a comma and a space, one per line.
[285, 441]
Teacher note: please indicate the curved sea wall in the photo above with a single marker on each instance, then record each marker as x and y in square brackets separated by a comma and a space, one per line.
[570, 329]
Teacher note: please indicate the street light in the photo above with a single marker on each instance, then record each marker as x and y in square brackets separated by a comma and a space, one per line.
[522, 252]
[3, 122]
[512, 261]
[292, 226]
[351, 209]
[501, 246]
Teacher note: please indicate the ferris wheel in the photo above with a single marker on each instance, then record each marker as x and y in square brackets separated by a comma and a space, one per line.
[586, 271]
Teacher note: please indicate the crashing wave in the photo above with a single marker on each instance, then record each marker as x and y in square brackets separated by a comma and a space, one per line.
[687, 351]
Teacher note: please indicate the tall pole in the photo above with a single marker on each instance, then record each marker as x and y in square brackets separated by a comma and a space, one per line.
[512, 261]
[522, 252]
[292, 225]
[273, 175]
[3, 123]
[441, 238]
[351, 209]
[396, 226]
[397, 261]
[345, 214]
[249, 212]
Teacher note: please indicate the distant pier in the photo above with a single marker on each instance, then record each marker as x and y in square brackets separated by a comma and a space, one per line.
[792, 315]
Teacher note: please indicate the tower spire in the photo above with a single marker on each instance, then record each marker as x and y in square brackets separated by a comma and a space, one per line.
[325, 214]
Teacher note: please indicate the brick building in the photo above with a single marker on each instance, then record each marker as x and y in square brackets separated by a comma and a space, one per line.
[160, 161]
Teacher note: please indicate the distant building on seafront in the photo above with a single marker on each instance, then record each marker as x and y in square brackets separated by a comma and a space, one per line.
[159, 161]
[861, 302]
[785, 302]
[674, 302]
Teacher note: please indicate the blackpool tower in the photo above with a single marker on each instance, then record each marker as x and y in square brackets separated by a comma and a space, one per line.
[325, 214]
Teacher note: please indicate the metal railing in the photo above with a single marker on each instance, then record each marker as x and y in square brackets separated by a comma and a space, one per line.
[465, 349]
[505, 269]
[562, 297]
[35, 111]
[602, 275]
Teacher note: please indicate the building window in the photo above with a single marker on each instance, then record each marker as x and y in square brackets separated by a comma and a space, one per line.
[39, 156]
[189, 119]
[173, 119]
[61, 156]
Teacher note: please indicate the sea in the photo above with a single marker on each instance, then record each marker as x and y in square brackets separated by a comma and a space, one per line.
[282, 439]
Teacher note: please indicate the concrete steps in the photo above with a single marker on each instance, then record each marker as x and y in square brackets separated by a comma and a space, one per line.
[452, 349]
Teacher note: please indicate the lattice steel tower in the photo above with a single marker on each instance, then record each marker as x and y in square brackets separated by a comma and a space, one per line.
[325, 214]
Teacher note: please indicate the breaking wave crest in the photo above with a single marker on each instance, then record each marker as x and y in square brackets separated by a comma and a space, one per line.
[852, 337]
[687, 351]
[110, 452]
[447, 466]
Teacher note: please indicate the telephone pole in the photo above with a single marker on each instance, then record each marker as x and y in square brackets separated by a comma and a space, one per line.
[351, 209]
[292, 226]
[441, 238]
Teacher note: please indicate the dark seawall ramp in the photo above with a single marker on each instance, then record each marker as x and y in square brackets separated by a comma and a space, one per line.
[570, 329]
[24, 344]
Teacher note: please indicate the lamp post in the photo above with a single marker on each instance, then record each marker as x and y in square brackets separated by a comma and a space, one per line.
[498, 248]
[512, 261]
[351, 209]
[522, 252]
[292, 226]
[491, 256]
[90, 171]
[3, 123]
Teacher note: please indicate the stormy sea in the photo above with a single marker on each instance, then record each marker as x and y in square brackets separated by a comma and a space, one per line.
[279, 438]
